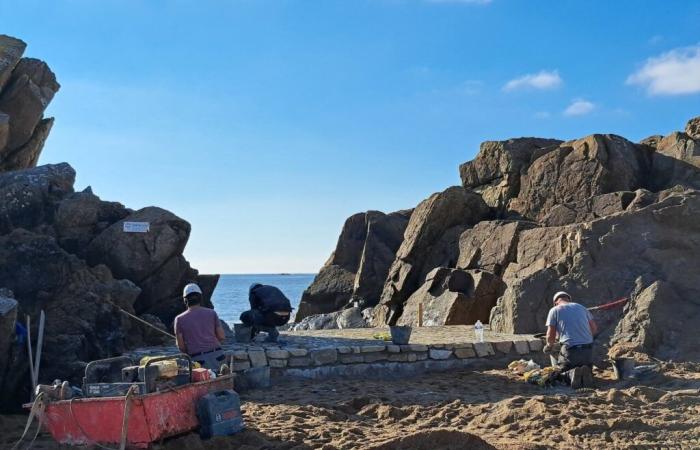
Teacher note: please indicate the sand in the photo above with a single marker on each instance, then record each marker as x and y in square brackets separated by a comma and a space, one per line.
[458, 410]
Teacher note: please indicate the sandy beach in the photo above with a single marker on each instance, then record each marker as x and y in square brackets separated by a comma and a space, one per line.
[466, 409]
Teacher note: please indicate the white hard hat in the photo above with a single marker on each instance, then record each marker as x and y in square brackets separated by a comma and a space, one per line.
[191, 288]
[560, 294]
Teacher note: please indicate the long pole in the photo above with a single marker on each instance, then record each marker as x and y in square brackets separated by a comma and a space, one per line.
[141, 320]
[29, 350]
[39, 346]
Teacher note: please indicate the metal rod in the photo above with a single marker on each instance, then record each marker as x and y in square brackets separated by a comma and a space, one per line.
[31, 355]
[39, 346]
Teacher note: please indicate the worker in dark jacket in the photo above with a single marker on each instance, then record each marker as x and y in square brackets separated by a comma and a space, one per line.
[269, 309]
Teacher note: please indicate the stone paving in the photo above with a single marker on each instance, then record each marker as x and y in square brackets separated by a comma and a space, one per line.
[322, 348]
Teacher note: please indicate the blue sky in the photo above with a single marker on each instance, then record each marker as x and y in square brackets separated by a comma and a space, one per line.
[266, 123]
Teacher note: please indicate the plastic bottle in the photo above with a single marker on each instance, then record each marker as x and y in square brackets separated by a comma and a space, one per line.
[479, 331]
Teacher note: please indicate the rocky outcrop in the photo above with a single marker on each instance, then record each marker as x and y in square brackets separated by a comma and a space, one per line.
[491, 245]
[67, 253]
[27, 86]
[353, 317]
[578, 170]
[81, 321]
[359, 265]
[453, 297]
[659, 320]
[602, 260]
[430, 221]
[676, 158]
[600, 217]
[495, 172]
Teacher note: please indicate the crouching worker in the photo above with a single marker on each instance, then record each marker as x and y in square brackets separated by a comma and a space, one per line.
[198, 331]
[269, 309]
[575, 327]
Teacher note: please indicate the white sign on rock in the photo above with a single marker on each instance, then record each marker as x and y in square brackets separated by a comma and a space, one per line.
[137, 227]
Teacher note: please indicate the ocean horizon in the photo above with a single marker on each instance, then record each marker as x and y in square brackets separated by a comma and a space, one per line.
[230, 298]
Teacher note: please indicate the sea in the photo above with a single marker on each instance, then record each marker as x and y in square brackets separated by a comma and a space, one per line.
[230, 297]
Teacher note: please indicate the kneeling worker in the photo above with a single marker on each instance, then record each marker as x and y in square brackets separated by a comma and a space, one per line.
[269, 309]
[198, 330]
[575, 327]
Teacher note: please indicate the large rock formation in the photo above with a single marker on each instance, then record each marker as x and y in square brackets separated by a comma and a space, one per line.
[359, 265]
[662, 321]
[602, 260]
[495, 172]
[600, 217]
[67, 253]
[434, 218]
[453, 297]
[578, 170]
[27, 86]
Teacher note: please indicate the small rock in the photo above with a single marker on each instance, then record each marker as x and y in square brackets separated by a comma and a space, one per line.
[298, 351]
[240, 354]
[277, 363]
[277, 353]
[463, 353]
[257, 358]
[522, 347]
[535, 345]
[503, 346]
[238, 366]
[439, 354]
[692, 128]
[483, 349]
[323, 356]
[414, 348]
[299, 361]
[350, 358]
[372, 348]
[373, 357]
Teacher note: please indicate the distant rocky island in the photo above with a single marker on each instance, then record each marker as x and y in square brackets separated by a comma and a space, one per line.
[70, 253]
[600, 217]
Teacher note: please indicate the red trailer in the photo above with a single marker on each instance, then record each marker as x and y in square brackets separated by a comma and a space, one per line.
[151, 417]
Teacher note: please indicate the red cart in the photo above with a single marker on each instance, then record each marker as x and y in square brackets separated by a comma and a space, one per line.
[151, 417]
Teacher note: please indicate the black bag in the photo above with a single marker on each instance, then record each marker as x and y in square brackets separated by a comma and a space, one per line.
[268, 298]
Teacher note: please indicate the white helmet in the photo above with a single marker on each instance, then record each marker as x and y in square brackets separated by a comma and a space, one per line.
[191, 288]
[560, 294]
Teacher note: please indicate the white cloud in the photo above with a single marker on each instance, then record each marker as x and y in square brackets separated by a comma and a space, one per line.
[676, 72]
[579, 107]
[542, 80]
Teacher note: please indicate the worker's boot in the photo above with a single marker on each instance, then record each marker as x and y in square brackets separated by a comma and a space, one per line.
[587, 377]
[576, 375]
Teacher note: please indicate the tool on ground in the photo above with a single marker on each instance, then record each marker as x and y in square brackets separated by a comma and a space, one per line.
[219, 414]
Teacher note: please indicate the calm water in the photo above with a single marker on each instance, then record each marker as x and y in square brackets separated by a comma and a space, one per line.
[231, 295]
